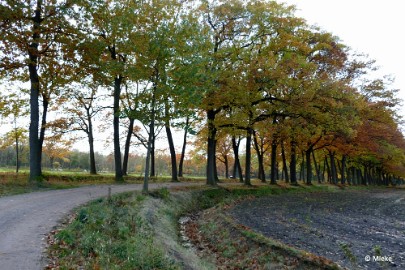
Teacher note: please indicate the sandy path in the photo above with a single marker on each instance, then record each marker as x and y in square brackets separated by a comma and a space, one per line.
[26, 219]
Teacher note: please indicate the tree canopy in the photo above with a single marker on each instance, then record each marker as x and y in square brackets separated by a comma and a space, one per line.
[251, 69]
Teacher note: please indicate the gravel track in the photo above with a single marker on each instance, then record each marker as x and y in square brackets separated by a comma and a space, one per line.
[345, 227]
[26, 219]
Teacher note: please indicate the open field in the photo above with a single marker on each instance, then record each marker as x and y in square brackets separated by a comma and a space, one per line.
[356, 229]
[12, 183]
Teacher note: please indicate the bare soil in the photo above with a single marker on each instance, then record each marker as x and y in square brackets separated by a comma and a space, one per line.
[356, 229]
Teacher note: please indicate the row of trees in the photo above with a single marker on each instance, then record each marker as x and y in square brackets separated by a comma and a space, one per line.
[77, 161]
[231, 69]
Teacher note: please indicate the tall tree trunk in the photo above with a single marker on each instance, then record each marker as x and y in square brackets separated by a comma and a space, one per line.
[293, 163]
[317, 168]
[153, 157]
[277, 171]
[261, 173]
[119, 176]
[302, 168]
[127, 146]
[183, 149]
[237, 168]
[343, 171]
[17, 153]
[215, 165]
[35, 162]
[308, 165]
[273, 173]
[45, 106]
[172, 151]
[360, 177]
[285, 168]
[274, 169]
[324, 169]
[352, 172]
[333, 167]
[259, 153]
[226, 162]
[145, 189]
[211, 148]
[93, 169]
[328, 169]
[365, 176]
[248, 156]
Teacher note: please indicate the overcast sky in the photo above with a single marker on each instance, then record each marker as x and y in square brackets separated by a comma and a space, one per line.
[374, 27]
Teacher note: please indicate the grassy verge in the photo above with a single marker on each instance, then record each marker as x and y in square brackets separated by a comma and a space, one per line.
[133, 231]
[109, 234]
[12, 183]
[129, 231]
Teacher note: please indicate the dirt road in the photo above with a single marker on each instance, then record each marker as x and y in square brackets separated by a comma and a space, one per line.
[356, 229]
[26, 219]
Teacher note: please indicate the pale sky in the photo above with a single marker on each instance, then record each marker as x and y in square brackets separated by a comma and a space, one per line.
[373, 27]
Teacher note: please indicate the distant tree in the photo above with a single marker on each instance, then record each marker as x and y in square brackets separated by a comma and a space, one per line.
[14, 107]
[18, 139]
[56, 148]
[224, 147]
[82, 112]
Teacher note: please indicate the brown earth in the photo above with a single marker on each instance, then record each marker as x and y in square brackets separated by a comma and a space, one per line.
[356, 229]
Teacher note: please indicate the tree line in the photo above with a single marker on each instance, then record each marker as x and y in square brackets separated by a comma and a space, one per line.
[78, 161]
[228, 70]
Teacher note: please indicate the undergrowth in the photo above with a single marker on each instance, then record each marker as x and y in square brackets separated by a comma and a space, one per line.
[109, 234]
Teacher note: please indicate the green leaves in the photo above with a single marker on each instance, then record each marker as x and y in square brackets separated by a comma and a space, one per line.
[246, 62]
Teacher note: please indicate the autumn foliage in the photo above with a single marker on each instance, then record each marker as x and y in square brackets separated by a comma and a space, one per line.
[226, 70]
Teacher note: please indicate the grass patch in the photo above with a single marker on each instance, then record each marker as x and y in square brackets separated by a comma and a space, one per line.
[129, 231]
[110, 235]
[12, 183]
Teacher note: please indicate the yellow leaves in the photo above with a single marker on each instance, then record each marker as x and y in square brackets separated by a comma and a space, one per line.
[57, 147]
[10, 138]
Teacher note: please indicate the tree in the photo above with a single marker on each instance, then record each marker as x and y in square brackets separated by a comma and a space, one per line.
[378, 147]
[15, 106]
[17, 138]
[187, 126]
[237, 168]
[30, 31]
[261, 146]
[82, 112]
[224, 23]
[133, 112]
[224, 146]
[56, 148]
[111, 38]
